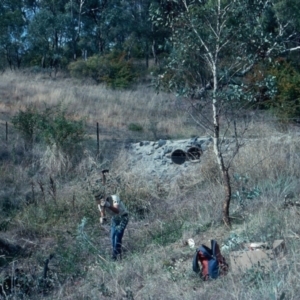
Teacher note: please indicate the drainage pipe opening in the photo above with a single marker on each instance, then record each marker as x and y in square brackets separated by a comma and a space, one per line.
[178, 156]
[194, 153]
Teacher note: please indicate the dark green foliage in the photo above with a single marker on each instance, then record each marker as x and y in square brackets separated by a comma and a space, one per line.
[112, 69]
[80, 69]
[286, 104]
[26, 122]
[7, 205]
[59, 130]
[51, 126]
[68, 257]
[135, 127]
[276, 86]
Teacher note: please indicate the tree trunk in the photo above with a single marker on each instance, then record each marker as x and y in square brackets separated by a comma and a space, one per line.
[153, 47]
[154, 52]
[218, 150]
[226, 178]
[100, 45]
[43, 63]
[226, 203]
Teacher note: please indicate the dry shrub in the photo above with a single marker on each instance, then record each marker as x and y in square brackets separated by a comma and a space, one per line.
[270, 163]
[204, 205]
[54, 161]
[210, 170]
[87, 164]
[262, 125]
[137, 193]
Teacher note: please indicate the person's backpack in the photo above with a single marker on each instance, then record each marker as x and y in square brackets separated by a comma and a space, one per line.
[212, 262]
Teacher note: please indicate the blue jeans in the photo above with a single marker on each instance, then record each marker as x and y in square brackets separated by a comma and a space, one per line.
[118, 226]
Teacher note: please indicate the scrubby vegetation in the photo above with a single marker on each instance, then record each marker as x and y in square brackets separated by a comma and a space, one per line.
[50, 126]
[50, 160]
[112, 69]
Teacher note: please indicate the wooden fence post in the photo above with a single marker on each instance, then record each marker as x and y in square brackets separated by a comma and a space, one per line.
[98, 139]
[6, 131]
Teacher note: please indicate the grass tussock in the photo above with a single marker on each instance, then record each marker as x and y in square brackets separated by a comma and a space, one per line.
[48, 209]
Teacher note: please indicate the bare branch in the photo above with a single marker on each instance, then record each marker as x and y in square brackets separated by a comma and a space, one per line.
[291, 49]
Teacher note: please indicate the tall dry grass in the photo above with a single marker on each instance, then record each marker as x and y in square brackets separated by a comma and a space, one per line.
[114, 110]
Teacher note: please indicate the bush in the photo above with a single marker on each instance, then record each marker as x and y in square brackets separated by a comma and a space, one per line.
[78, 69]
[26, 122]
[135, 127]
[276, 87]
[111, 69]
[51, 127]
[57, 129]
[287, 101]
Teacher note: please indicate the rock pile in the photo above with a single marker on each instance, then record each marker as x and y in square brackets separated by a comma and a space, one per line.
[167, 159]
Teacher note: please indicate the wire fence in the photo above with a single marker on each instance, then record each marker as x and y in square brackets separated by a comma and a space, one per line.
[118, 138]
[102, 141]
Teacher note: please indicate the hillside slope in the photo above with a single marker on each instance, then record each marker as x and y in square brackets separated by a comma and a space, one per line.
[52, 245]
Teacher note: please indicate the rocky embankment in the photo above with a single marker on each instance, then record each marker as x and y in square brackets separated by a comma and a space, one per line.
[168, 159]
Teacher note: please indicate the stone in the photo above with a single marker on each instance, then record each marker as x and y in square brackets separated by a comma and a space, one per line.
[168, 149]
[256, 255]
[161, 143]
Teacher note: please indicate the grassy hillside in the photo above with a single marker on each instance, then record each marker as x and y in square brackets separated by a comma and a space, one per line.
[48, 211]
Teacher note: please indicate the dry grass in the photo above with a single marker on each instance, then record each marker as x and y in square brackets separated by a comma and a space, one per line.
[158, 263]
[113, 110]
[270, 162]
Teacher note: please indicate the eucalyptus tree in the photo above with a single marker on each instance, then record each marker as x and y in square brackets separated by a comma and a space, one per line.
[95, 28]
[214, 44]
[141, 29]
[46, 35]
[12, 27]
[48, 29]
[145, 36]
[122, 25]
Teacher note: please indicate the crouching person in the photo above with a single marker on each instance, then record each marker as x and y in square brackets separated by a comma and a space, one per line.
[119, 220]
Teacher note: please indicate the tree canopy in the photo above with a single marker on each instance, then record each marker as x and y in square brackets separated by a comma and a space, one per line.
[32, 31]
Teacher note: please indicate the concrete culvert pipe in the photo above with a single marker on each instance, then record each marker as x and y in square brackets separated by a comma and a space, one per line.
[194, 153]
[178, 156]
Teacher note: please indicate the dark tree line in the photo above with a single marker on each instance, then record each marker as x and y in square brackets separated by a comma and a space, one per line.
[47, 32]
[51, 32]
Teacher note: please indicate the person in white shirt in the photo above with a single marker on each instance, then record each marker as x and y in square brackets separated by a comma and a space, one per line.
[119, 220]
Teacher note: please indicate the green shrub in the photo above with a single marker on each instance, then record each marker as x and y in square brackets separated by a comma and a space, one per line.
[135, 127]
[276, 87]
[26, 122]
[286, 104]
[51, 127]
[64, 133]
[111, 69]
[78, 69]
